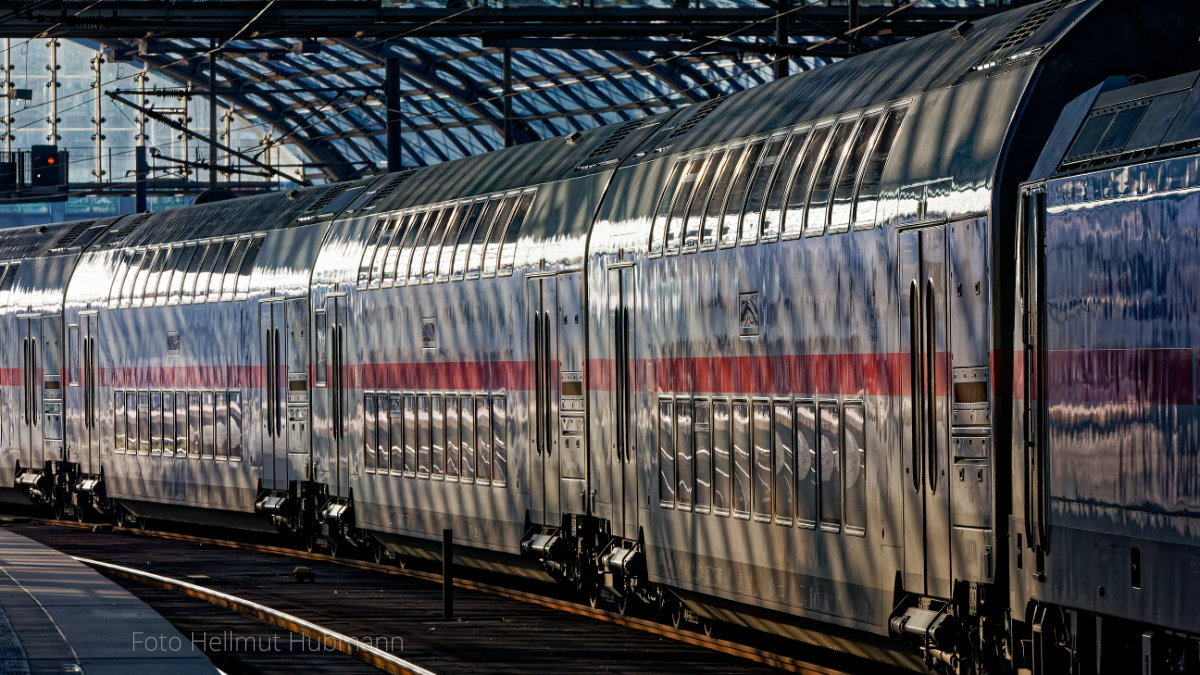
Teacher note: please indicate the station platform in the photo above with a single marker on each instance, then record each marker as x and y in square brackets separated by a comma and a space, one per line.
[60, 616]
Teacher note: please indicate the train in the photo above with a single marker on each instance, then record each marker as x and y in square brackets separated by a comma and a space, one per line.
[899, 356]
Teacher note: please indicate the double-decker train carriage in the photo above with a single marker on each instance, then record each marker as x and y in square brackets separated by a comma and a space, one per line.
[808, 358]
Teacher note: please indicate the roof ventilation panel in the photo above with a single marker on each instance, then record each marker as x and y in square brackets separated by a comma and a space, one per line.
[600, 155]
[1006, 49]
[386, 191]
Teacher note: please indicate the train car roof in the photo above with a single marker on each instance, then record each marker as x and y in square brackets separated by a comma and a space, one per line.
[1119, 122]
[39, 241]
[979, 50]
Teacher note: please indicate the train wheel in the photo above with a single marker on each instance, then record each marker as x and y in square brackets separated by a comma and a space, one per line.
[593, 595]
[622, 603]
[706, 625]
[121, 517]
[333, 544]
[676, 613]
[378, 553]
[310, 542]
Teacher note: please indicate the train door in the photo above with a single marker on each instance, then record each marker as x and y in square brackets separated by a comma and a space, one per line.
[332, 359]
[624, 477]
[925, 412]
[30, 332]
[51, 407]
[298, 436]
[1033, 343]
[543, 475]
[272, 315]
[91, 441]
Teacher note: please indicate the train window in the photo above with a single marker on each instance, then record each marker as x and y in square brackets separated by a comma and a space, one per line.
[817, 212]
[221, 424]
[453, 229]
[436, 241]
[181, 429]
[831, 467]
[772, 214]
[467, 418]
[463, 246]
[500, 440]
[243, 284]
[235, 426]
[663, 213]
[119, 438]
[725, 164]
[371, 251]
[208, 422]
[74, 369]
[224, 253]
[452, 435]
[695, 212]
[437, 460]
[155, 279]
[195, 434]
[234, 268]
[508, 252]
[181, 265]
[683, 198]
[867, 201]
[483, 440]
[735, 202]
[211, 256]
[143, 422]
[369, 439]
[757, 191]
[702, 431]
[321, 333]
[741, 459]
[806, 464]
[189, 280]
[375, 253]
[763, 461]
[479, 244]
[785, 464]
[412, 261]
[163, 292]
[793, 214]
[380, 433]
[168, 423]
[396, 434]
[133, 267]
[131, 422]
[855, 460]
[843, 193]
[666, 452]
[403, 246]
[9, 278]
[410, 435]
[398, 229]
[722, 467]
[149, 264]
[684, 478]
[120, 268]
[423, 436]
[491, 257]
[4, 269]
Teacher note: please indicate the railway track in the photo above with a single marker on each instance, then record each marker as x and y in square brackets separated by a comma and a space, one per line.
[389, 663]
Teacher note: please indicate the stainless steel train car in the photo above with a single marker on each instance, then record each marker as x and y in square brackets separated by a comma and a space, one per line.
[897, 355]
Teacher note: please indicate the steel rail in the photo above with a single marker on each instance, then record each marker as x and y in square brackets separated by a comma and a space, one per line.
[753, 654]
[343, 643]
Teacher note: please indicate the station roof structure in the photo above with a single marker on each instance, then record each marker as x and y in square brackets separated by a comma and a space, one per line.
[312, 76]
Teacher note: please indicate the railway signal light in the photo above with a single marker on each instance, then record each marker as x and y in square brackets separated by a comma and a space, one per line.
[48, 166]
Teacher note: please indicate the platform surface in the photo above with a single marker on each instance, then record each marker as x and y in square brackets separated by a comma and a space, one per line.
[60, 616]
